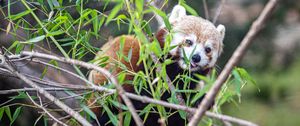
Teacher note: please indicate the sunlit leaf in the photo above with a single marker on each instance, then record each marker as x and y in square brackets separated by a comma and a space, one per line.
[88, 111]
[20, 15]
[114, 12]
[34, 40]
[163, 15]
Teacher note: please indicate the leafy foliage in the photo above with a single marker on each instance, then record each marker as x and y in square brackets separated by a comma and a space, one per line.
[71, 36]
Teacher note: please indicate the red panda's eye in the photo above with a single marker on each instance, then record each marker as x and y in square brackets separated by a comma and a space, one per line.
[207, 49]
[188, 42]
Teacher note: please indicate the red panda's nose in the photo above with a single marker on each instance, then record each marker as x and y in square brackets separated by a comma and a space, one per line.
[196, 58]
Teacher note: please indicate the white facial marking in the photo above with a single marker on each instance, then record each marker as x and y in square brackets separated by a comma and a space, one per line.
[176, 41]
[196, 48]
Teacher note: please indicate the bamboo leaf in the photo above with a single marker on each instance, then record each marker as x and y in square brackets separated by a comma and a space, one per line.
[163, 15]
[127, 119]
[190, 9]
[139, 5]
[1, 112]
[34, 40]
[8, 113]
[112, 117]
[88, 111]
[16, 115]
[114, 12]
[20, 15]
[55, 33]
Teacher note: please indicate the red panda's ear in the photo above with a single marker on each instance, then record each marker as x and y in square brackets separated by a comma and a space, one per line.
[221, 29]
[177, 13]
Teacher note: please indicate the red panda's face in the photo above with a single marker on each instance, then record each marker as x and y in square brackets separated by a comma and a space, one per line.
[194, 54]
[198, 43]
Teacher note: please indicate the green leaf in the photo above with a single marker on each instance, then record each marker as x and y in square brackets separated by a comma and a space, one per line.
[95, 21]
[139, 5]
[58, 32]
[147, 28]
[13, 45]
[112, 117]
[163, 15]
[127, 119]
[16, 114]
[189, 9]
[34, 40]
[246, 75]
[44, 72]
[200, 94]
[118, 104]
[8, 113]
[50, 4]
[155, 47]
[20, 15]
[121, 77]
[45, 120]
[1, 112]
[88, 111]
[114, 12]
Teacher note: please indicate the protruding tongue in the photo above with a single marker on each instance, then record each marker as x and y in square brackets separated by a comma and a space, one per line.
[193, 64]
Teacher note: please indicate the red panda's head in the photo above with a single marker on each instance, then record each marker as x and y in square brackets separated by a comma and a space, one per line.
[198, 43]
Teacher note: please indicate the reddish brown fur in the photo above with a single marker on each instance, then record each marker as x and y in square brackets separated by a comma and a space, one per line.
[110, 50]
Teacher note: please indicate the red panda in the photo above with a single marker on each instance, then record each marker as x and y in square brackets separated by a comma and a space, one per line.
[193, 37]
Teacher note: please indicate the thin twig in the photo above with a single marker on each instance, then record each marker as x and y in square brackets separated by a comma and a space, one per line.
[235, 58]
[106, 73]
[46, 94]
[46, 111]
[143, 98]
[205, 9]
[47, 89]
[218, 12]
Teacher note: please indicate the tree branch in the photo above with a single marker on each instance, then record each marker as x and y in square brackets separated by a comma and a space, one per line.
[218, 11]
[137, 97]
[46, 111]
[235, 58]
[119, 88]
[46, 94]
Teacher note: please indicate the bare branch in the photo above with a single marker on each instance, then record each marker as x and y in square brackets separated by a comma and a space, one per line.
[47, 89]
[236, 57]
[205, 9]
[46, 94]
[218, 12]
[119, 88]
[46, 111]
[142, 98]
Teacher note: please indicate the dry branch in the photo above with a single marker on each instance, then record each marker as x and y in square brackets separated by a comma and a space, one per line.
[137, 97]
[46, 94]
[218, 11]
[236, 57]
[46, 111]
[119, 88]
